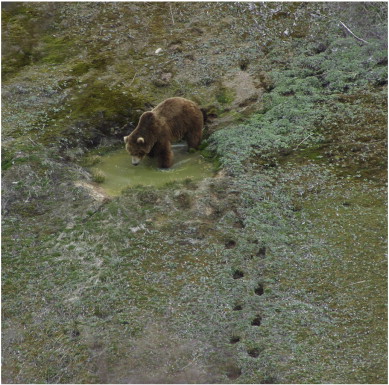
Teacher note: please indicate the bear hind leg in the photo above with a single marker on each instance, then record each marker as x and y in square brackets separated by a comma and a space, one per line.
[193, 141]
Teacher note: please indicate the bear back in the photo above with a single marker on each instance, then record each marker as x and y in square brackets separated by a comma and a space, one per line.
[179, 116]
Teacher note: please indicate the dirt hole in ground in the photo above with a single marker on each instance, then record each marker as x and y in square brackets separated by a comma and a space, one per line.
[238, 274]
[239, 224]
[244, 64]
[230, 244]
[233, 372]
[269, 379]
[259, 289]
[253, 352]
[234, 339]
[256, 321]
[238, 308]
[262, 252]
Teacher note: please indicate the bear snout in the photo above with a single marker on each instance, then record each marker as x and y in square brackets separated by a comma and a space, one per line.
[135, 161]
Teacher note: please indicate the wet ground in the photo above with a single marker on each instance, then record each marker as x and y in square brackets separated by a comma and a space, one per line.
[118, 173]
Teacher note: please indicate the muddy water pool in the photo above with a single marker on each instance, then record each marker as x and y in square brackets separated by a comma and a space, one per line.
[118, 172]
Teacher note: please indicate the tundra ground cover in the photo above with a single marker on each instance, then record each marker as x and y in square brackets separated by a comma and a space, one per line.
[272, 272]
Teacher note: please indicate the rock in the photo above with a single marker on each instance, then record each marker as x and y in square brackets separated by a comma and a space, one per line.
[163, 79]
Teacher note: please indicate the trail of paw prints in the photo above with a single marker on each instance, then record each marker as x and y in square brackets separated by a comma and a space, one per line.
[256, 320]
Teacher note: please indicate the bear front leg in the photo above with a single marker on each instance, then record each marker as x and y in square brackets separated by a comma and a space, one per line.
[165, 156]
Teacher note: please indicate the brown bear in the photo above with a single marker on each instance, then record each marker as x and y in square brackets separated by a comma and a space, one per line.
[172, 120]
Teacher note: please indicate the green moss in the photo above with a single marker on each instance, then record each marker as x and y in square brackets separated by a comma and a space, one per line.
[80, 68]
[99, 60]
[55, 50]
[7, 159]
[95, 109]
[29, 40]
[210, 155]
[225, 95]
[96, 99]
[67, 83]
[20, 41]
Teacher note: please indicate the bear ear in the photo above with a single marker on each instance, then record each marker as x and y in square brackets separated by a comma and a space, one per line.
[147, 117]
[140, 140]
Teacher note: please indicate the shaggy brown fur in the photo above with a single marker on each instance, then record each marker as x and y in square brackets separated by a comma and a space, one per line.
[172, 120]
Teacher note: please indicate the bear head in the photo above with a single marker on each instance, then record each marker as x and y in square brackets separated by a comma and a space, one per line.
[140, 142]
